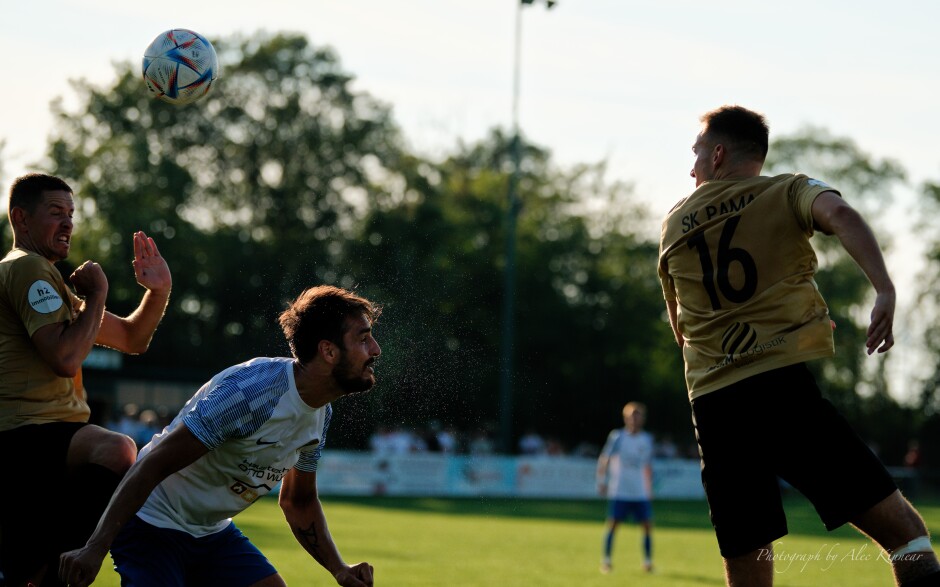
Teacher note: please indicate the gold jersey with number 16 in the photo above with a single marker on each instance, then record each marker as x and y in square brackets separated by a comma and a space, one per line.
[735, 256]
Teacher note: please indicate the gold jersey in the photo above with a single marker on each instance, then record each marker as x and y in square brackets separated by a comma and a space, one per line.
[32, 295]
[735, 256]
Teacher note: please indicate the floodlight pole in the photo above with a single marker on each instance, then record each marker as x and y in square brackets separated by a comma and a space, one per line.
[512, 216]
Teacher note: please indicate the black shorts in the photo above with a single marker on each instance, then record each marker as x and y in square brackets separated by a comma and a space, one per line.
[32, 496]
[776, 424]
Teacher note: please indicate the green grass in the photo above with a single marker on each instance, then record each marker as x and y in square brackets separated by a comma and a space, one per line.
[503, 542]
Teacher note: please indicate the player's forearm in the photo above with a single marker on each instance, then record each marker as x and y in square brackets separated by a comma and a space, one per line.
[67, 345]
[308, 524]
[142, 322]
[860, 243]
[833, 215]
[133, 334]
[128, 498]
[178, 450]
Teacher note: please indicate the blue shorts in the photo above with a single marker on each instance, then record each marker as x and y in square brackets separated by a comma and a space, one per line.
[641, 510]
[147, 556]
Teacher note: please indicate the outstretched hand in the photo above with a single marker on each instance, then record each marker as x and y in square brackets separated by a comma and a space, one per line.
[78, 568]
[151, 269]
[359, 575]
[880, 332]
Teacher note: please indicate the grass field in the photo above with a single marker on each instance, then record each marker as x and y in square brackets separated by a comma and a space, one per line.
[502, 542]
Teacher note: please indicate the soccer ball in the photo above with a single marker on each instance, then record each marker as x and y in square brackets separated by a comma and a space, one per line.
[180, 66]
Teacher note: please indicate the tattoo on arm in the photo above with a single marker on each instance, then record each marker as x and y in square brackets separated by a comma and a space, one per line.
[309, 540]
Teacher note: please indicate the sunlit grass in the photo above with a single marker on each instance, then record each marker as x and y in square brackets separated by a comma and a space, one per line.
[504, 542]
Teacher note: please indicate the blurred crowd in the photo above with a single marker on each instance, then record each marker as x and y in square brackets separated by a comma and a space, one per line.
[142, 424]
[434, 438]
[139, 424]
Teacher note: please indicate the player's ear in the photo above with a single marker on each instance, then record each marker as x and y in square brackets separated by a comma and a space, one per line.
[18, 217]
[328, 351]
[718, 155]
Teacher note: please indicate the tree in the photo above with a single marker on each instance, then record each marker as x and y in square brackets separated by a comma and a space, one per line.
[928, 307]
[284, 177]
[249, 192]
[587, 276]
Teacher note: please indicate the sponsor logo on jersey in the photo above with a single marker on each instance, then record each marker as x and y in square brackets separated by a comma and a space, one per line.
[246, 492]
[817, 183]
[740, 344]
[43, 297]
[738, 338]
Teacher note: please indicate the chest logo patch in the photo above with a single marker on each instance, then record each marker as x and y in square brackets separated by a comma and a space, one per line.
[43, 297]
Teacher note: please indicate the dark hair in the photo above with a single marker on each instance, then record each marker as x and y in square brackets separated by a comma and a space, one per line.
[26, 191]
[746, 131]
[320, 313]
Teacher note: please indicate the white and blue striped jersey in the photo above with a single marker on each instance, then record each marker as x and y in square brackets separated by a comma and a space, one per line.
[256, 426]
[627, 456]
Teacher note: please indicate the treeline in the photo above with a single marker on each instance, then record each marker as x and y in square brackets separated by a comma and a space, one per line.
[285, 177]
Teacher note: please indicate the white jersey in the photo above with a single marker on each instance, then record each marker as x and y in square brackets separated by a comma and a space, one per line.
[627, 456]
[256, 426]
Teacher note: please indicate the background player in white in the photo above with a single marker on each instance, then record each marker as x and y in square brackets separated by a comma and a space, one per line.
[625, 477]
[249, 427]
[737, 272]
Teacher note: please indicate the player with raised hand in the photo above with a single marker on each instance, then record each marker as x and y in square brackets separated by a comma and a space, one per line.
[46, 332]
[251, 426]
[737, 272]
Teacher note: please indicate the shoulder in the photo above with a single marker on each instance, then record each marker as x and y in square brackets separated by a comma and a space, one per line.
[24, 269]
[799, 182]
[260, 368]
[611, 440]
[236, 402]
[254, 384]
[614, 437]
[677, 206]
[26, 261]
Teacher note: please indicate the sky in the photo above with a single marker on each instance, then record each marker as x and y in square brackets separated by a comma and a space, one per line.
[614, 80]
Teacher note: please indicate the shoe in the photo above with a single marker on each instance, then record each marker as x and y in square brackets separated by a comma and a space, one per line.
[605, 566]
[648, 566]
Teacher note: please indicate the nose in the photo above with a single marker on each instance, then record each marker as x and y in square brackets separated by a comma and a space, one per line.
[376, 350]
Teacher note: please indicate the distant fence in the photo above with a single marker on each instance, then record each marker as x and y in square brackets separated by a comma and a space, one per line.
[430, 474]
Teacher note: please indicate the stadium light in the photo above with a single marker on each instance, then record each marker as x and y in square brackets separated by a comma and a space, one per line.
[512, 217]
